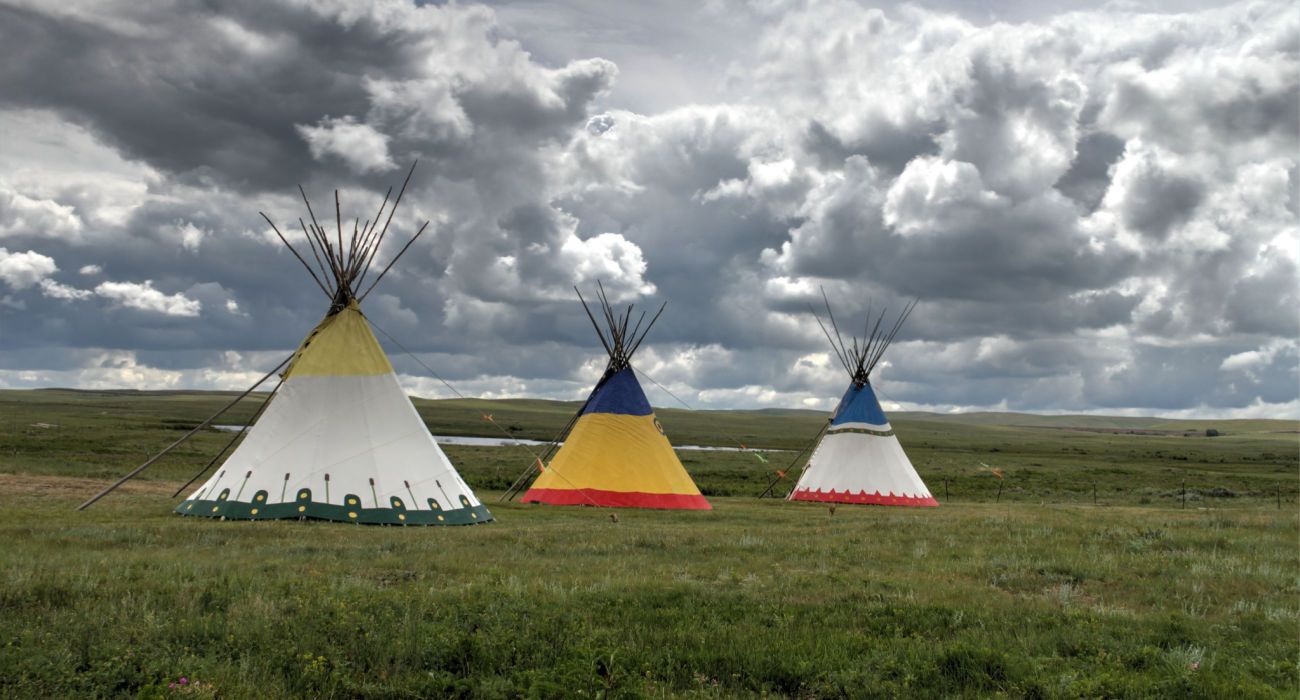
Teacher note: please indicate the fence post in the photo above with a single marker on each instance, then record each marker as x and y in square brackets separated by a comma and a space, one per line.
[1279, 496]
[1184, 494]
[1094, 493]
[999, 498]
[945, 489]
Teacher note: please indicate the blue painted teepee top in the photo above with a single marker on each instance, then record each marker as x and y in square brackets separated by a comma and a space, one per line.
[619, 393]
[859, 405]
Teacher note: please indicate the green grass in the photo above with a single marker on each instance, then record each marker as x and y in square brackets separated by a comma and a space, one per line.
[1039, 595]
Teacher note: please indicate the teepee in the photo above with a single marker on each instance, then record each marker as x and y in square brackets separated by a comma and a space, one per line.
[615, 452]
[859, 459]
[339, 439]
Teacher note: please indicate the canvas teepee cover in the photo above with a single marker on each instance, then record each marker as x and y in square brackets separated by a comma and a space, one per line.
[339, 439]
[859, 459]
[616, 453]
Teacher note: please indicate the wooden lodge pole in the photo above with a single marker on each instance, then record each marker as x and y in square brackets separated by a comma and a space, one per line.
[182, 439]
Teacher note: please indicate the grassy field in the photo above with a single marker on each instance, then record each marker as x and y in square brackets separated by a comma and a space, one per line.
[1040, 594]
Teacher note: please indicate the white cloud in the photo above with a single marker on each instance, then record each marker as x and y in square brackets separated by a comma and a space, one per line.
[143, 296]
[1250, 361]
[121, 370]
[359, 145]
[22, 215]
[58, 290]
[191, 236]
[22, 270]
[90, 269]
[932, 193]
[71, 179]
[611, 259]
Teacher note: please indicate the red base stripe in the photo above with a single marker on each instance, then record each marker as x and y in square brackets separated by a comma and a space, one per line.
[617, 499]
[876, 499]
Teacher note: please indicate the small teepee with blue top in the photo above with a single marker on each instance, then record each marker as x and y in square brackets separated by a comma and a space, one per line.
[859, 459]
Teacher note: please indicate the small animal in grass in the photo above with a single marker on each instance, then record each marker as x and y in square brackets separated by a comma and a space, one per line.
[613, 517]
[831, 508]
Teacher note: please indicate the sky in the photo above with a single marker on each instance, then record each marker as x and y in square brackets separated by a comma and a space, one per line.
[1095, 204]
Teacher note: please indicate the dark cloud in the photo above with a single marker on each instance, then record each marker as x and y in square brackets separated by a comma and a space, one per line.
[1089, 175]
[1097, 212]
[884, 144]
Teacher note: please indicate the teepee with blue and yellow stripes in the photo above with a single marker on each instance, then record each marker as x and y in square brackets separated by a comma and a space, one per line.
[616, 453]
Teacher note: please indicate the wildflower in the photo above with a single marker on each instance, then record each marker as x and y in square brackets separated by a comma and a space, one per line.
[184, 681]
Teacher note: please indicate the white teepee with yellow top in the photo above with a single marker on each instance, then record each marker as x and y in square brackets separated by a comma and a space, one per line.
[339, 439]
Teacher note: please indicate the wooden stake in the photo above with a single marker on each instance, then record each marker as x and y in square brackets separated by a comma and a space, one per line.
[1184, 494]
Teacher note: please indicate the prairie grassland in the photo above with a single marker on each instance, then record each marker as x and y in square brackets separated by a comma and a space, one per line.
[1045, 459]
[1039, 595]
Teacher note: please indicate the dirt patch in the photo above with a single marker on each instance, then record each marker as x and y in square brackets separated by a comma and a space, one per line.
[74, 487]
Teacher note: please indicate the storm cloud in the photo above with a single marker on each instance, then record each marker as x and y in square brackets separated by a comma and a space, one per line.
[1096, 210]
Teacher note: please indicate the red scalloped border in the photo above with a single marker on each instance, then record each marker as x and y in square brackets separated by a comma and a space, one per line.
[862, 497]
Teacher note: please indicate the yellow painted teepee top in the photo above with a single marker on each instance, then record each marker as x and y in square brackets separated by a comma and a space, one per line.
[341, 345]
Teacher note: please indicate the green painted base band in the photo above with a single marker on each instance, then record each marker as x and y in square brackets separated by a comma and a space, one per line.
[241, 510]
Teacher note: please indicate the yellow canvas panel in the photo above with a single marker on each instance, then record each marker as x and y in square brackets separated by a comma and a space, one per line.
[341, 345]
[616, 452]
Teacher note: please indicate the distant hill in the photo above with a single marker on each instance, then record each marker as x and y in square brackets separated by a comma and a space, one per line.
[1034, 420]
[541, 419]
